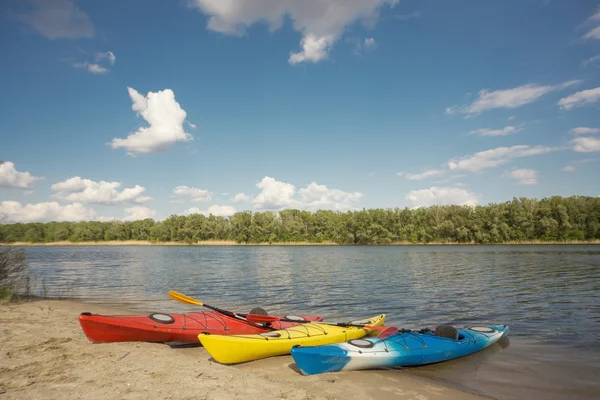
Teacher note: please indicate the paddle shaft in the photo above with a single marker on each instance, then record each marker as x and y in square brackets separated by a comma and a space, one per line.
[182, 298]
[268, 318]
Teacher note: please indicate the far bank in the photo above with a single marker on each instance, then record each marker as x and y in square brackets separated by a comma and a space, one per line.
[234, 243]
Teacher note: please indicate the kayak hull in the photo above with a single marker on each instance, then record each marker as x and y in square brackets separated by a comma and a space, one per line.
[243, 348]
[399, 350]
[164, 328]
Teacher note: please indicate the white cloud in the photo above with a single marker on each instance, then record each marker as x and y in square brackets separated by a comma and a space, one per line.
[49, 211]
[216, 210]
[165, 117]
[568, 168]
[580, 99]
[87, 191]
[524, 176]
[193, 193]
[109, 55]
[59, 19]
[274, 194]
[494, 157]
[593, 34]
[450, 110]
[314, 49]
[369, 43]
[441, 196]
[92, 68]
[11, 178]
[315, 197]
[512, 117]
[591, 61]
[321, 22]
[495, 132]
[136, 213]
[584, 131]
[427, 174]
[279, 195]
[508, 98]
[240, 198]
[586, 144]
[193, 126]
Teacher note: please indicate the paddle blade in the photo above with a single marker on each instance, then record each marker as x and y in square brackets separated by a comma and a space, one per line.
[389, 331]
[182, 298]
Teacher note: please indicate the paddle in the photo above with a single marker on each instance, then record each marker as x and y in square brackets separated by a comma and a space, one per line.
[387, 332]
[182, 298]
[262, 319]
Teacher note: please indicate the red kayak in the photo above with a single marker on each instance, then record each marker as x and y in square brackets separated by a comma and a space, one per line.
[163, 328]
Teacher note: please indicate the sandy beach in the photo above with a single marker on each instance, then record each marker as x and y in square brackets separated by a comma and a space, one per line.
[45, 355]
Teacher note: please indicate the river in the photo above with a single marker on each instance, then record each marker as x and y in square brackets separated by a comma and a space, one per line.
[549, 295]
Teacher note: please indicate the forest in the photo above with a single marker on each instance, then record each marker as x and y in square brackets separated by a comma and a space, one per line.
[556, 218]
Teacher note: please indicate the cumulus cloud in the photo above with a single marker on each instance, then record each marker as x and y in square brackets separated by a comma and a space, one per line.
[165, 117]
[87, 191]
[137, 213]
[274, 194]
[43, 212]
[508, 98]
[584, 131]
[580, 99]
[216, 210]
[11, 178]
[58, 19]
[494, 157]
[194, 194]
[321, 22]
[314, 49]
[240, 198]
[586, 144]
[441, 196]
[317, 197]
[424, 175]
[524, 176]
[495, 132]
[279, 195]
[568, 168]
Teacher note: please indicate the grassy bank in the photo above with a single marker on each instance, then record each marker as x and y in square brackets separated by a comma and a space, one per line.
[233, 243]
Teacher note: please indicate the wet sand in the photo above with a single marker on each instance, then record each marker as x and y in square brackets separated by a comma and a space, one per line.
[45, 355]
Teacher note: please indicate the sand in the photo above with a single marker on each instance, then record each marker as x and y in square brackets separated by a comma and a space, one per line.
[45, 355]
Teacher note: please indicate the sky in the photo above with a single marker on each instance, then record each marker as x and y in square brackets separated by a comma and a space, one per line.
[124, 110]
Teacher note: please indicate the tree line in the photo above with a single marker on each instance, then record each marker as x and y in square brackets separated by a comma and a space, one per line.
[555, 218]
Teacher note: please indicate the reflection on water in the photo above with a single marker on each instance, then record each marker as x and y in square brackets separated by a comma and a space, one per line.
[549, 295]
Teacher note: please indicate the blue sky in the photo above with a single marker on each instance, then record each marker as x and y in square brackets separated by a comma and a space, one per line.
[127, 110]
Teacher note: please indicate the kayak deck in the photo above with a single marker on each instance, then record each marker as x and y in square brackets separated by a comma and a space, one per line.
[158, 327]
[242, 348]
[403, 349]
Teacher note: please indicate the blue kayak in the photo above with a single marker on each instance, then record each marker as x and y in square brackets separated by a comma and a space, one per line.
[402, 349]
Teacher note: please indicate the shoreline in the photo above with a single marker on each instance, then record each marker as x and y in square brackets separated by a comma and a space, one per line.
[46, 355]
[233, 243]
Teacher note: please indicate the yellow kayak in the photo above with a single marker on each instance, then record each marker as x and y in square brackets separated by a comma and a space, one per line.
[233, 349]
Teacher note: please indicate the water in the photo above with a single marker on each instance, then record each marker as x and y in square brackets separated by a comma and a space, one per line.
[549, 295]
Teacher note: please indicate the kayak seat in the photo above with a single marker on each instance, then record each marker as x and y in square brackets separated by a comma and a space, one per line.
[258, 311]
[446, 331]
